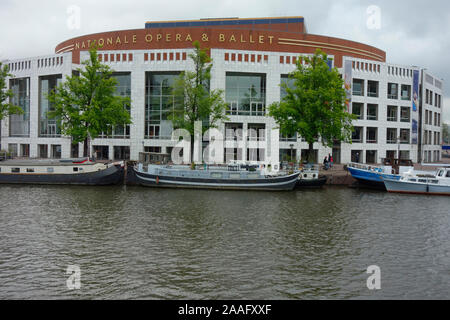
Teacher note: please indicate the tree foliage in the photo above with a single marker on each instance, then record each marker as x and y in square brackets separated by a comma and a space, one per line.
[445, 133]
[194, 100]
[314, 107]
[87, 104]
[6, 107]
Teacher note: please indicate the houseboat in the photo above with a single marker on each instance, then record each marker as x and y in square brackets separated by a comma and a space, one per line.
[71, 171]
[310, 178]
[231, 177]
[373, 176]
[437, 183]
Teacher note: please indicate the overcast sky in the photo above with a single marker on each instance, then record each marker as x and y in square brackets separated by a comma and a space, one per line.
[411, 32]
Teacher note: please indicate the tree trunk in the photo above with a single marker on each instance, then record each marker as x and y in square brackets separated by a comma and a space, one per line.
[192, 149]
[86, 148]
[311, 153]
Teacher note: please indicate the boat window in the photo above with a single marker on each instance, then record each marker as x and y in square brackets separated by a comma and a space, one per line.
[253, 176]
[0, 169]
[30, 170]
[50, 170]
[15, 170]
[434, 181]
[235, 176]
[423, 180]
[413, 180]
[441, 173]
[216, 175]
[75, 169]
[448, 174]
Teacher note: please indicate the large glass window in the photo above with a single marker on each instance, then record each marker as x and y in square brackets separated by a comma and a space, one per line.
[372, 112]
[289, 82]
[245, 94]
[404, 136]
[392, 91]
[406, 92]
[20, 123]
[391, 136]
[372, 135]
[405, 114]
[48, 127]
[392, 113]
[159, 104]
[358, 87]
[123, 89]
[358, 110]
[372, 89]
[357, 135]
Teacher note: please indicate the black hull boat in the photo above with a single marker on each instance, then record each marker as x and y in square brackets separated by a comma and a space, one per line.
[226, 179]
[312, 183]
[61, 172]
[310, 178]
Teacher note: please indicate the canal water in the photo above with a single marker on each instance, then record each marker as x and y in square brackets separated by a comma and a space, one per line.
[138, 243]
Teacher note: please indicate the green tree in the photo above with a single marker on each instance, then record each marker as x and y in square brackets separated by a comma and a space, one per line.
[445, 133]
[6, 107]
[196, 102]
[87, 104]
[314, 106]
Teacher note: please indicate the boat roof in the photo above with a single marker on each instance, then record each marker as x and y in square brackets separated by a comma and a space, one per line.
[47, 162]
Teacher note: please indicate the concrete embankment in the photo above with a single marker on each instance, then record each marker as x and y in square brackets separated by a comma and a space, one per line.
[338, 176]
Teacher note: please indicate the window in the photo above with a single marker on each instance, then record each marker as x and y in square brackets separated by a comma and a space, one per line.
[121, 153]
[123, 89]
[15, 170]
[391, 136]
[357, 135]
[406, 92]
[160, 103]
[372, 89]
[43, 151]
[372, 135]
[404, 136]
[48, 127]
[152, 149]
[101, 152]
[372, 112]
[50, 170]
[56, 151]
[392, 113]
[371, 156]
[256, 132]
[284, 138]
[405, 114]
[20, 124]
[233, 131]
[12, 149]
[358, 87]
[404, 155]
[245, 94]
[358, 110]
[30, 170]
[289, 83]
[392, 91]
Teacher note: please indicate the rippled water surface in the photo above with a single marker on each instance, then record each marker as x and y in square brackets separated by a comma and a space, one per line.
[139, 243]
